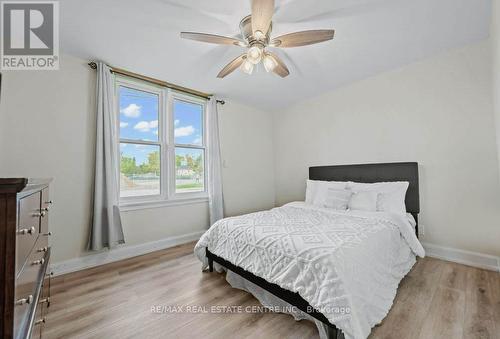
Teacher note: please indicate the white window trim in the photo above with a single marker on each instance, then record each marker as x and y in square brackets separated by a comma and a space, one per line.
[174, 95]
[148, 204]
[167, 196]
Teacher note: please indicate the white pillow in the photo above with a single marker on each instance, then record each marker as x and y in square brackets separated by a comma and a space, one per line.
[364, 201]
[337, 199]
[391, 194]
[316, 190]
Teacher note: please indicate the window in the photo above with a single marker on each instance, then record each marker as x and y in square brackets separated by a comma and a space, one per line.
[162, 143]
[189, 146]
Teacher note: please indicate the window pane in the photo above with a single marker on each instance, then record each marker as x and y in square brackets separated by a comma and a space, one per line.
[138, 114]
[188, 123]
[189, 170]
[139, 170]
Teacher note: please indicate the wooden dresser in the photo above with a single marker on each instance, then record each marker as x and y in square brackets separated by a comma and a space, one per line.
[24, 257]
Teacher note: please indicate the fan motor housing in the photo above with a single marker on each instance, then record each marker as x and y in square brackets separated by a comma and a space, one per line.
[247, 31]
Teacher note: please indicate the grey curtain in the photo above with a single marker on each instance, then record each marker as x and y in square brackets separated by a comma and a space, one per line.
[216, 201]
[106, 230]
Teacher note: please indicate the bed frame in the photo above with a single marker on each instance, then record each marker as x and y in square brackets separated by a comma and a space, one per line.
[367, 173]
[370, 173]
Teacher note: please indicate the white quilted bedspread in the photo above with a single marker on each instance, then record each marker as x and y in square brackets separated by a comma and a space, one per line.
[346, 264]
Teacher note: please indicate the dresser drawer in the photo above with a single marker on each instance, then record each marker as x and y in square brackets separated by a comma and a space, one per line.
[29, 211]
[44, 302]
[45, 298]
[36, 330]
[23, 243]
[42, 244]
[46, 205]
[27, 284]
[28, 227]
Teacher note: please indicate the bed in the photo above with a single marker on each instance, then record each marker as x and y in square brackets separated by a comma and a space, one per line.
[339, 269]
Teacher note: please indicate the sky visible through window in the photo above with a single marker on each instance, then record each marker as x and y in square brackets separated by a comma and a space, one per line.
[139, 121]
[188, 123]
[138, 114]
[140, 164]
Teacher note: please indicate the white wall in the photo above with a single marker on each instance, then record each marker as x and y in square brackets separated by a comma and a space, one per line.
[437, 112]
[248, 159]
[47, 126]
[495, 43]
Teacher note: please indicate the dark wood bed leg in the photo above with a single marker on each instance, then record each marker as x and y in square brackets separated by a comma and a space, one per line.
[210, 264]
[333, 333]
[210, 260]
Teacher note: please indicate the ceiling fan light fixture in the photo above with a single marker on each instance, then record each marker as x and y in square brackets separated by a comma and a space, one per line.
[256, 37]
[247, 67]
[269, 63]
[259, 35]
[254, 54]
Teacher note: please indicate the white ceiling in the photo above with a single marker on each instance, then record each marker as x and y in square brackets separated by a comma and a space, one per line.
[372, 36]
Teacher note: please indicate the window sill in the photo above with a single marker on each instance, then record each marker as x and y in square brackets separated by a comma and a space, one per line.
[142, 205]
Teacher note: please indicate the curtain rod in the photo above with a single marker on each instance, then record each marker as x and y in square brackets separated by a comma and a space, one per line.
[93, 65]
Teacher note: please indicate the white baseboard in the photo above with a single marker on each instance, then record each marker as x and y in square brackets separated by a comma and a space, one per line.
[469, 258]
[120, 253]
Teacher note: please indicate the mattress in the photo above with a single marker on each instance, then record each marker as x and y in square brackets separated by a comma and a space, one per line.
[346, 264]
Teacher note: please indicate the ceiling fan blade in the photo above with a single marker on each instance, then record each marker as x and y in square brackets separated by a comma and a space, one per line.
[303, 38]
[262, 14]
[230, 67]
[212, 38]
[280, 68]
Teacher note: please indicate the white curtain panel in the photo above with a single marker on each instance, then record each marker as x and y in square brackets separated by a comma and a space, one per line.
[216, 202]
[106, 228]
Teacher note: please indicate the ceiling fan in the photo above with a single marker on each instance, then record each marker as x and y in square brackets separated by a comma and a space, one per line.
[256, 31]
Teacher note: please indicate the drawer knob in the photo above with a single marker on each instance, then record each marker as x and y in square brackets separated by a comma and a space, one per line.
[23, 301]
[49, 204]
[41, 214]
[45, 300]
[30, 230]
[40, 321]
[39, 262]
[47, 234]
[43, 249]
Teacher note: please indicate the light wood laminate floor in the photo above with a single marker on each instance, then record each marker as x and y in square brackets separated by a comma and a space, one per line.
[437, 299]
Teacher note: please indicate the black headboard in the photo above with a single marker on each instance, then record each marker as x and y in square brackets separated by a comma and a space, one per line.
[369, 173]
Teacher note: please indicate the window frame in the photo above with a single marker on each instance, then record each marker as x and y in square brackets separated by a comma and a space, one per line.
[166, 143]
[175, 95]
